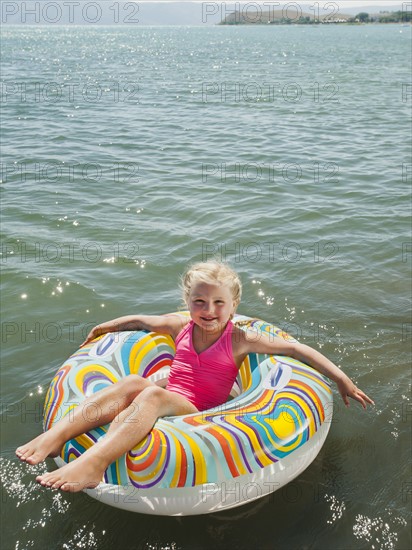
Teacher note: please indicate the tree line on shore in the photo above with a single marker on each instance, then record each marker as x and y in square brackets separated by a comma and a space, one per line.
[382, 17]
[242, 18]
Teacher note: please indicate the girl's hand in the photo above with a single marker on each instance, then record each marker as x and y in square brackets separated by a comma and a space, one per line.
[96, 331]
[167, 324]
[348, 389]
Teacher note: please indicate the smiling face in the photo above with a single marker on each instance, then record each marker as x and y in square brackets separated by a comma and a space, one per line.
[211, 306]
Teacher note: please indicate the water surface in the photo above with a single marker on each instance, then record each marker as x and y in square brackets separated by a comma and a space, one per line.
[130, 152]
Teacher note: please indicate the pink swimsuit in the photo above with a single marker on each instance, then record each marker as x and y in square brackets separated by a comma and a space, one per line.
[204, 379]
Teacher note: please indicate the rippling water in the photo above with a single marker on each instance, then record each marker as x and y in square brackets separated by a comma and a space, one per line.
[129, 152]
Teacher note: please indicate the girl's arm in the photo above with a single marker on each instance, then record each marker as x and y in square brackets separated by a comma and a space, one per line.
[308, 355]
[167, 324]
[346, 387]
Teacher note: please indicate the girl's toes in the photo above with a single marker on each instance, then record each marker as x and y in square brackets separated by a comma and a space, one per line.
[71, 487]
[43, 480]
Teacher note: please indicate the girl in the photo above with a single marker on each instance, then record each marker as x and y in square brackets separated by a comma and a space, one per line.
[209, 352]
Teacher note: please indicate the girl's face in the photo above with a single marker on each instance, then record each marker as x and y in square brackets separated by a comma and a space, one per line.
[210, 306]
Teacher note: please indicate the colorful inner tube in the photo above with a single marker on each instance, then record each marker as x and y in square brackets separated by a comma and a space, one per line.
[270, 430]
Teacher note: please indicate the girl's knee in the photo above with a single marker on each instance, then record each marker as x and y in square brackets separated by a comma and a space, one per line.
[133, 383]
[167, 403]
[154, 393]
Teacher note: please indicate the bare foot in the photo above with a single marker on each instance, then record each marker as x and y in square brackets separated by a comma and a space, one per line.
[82, 473]
[38, 449]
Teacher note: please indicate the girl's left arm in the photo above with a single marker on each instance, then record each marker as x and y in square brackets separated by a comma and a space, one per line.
[313, 358]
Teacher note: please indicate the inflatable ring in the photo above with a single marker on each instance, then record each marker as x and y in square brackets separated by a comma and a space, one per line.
[270, 430]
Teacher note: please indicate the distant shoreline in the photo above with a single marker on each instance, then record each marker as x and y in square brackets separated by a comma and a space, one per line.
[319, 23]
[278, 17]
[148, 26]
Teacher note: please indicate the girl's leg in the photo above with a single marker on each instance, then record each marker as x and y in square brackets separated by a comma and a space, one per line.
[126, 431]
[108, 403]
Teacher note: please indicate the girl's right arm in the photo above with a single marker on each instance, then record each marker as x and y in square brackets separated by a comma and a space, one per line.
[167, 324]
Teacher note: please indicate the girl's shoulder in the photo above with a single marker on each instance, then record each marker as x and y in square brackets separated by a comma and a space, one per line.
[239, 338]
[248, 340]
[176, 322]
[243, 332]
[240, 344]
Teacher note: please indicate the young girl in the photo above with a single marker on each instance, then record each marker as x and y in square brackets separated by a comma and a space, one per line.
[209, 352]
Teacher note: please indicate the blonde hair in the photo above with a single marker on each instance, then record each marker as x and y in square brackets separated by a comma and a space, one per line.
[212, 272]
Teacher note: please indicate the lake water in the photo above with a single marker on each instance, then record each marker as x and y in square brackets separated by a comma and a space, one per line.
[130, 152]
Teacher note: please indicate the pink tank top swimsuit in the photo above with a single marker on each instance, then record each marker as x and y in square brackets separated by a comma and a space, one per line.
[206, 378]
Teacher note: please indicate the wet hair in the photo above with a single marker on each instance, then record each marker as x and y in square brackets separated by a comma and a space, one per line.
[214, 273]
